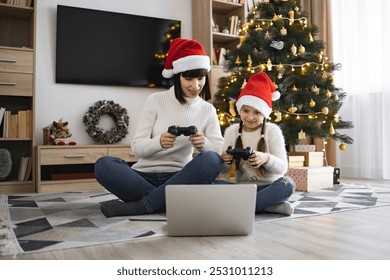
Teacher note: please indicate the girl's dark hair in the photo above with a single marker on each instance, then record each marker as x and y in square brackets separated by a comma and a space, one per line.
[260, 144]
[197, 73]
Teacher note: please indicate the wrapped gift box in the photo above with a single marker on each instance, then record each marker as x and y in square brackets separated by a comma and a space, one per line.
[311, 178]
[296, 161]
[304, 148]
[312, 159]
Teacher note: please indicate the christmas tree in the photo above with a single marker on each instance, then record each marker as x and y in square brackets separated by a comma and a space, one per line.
[278, 40]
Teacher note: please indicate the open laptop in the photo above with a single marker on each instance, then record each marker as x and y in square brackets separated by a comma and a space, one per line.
[201, 210]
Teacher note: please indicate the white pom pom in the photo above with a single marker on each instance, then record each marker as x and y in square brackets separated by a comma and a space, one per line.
[275, 95]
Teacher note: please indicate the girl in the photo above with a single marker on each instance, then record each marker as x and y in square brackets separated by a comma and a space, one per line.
[166, 157]
[268, 163]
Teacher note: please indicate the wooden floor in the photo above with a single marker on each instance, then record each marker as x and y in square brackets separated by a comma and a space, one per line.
[352, 235]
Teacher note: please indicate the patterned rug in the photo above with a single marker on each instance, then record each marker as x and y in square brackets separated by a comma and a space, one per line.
[46, 222]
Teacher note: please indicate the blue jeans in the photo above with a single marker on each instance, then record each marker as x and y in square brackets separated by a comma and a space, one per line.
[274, 193]
[119, 178]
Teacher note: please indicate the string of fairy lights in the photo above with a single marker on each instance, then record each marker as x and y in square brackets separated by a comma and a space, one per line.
[260, 24]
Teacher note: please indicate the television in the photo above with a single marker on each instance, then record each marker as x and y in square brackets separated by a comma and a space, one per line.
[108, 48]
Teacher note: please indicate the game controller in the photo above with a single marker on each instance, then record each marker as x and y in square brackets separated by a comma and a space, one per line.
[186, 131]
[240, 153]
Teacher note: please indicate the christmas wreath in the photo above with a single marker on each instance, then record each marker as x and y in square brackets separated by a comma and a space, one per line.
[119, 116]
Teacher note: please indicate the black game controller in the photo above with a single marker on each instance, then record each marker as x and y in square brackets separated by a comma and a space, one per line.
[186, 131]
[240, 153]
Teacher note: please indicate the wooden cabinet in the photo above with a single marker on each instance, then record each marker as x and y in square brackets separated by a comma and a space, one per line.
[17, 26]
[209, 19]
[70, 168]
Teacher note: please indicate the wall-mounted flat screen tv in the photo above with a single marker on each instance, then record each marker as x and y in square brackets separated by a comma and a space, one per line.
[108, 48]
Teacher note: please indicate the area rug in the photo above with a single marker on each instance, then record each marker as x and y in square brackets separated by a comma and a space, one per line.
[53, 221]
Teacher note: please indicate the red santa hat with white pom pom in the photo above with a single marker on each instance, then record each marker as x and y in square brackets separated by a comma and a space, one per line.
[259, 92]
[184, 55]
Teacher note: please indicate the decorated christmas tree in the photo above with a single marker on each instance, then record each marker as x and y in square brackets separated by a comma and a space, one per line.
[277, 39]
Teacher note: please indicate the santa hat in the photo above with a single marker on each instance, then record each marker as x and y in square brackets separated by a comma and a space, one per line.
[184, 55]
[259, 92]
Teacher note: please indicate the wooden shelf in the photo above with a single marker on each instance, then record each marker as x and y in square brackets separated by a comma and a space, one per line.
[17, 76]
[204, 12]
[18, 12]
[73, 160]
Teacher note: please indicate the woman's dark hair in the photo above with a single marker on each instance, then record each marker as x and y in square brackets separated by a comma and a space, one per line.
[260, 145]
[197, 73]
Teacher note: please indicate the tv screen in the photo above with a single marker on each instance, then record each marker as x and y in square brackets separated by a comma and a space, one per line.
[108, 48]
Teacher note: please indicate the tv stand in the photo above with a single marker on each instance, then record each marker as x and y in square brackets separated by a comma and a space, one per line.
[70, 168]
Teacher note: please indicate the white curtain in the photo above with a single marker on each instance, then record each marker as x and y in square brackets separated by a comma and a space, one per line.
[361, 43]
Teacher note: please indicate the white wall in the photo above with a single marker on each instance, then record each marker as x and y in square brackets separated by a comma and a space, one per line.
[71, 102]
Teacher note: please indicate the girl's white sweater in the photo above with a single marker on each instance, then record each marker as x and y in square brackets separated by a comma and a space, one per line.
[275, 146]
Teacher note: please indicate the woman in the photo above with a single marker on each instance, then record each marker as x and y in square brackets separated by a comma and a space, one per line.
[267, 163]
[166, 157]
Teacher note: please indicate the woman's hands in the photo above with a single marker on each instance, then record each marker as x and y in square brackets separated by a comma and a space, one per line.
[197, 140]
[167, 139]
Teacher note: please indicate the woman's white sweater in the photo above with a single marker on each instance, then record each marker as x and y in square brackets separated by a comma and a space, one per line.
[162, 110]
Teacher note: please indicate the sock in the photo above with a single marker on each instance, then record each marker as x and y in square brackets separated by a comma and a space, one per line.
[284, 208]
[119, 208]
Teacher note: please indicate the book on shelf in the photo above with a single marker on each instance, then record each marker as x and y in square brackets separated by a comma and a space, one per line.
[2, 111]
[17, 125]
[6, 120]
[13, 126]
[22, 122]
[28, 169]
[23, 168]
[29, 124]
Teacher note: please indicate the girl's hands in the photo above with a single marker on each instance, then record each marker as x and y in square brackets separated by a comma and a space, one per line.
[227, 158]
[257, 159]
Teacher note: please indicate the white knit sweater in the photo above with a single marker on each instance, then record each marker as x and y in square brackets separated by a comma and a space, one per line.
[162, 110]
[275, 146]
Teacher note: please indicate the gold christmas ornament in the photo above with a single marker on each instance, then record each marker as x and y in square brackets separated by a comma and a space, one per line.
[312, 103]
[331, 130]
[231, 108]
[342, 147]
[336, 118]
[283, 31]
[335, 97]
[292, 109]
[243, 84]
[293, 49]
[238, 60]
[328, 94]
[269, 65]
[301, 49]
[249, 60]
[311, 38]
[278, 116]
[291, 16]
[325, 110]
[315, 89]
[301, 135]
[294, 88]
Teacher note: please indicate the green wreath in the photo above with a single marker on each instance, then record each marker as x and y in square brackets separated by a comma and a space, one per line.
[119, 116]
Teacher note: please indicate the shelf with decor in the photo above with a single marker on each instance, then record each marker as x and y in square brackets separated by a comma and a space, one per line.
[17, 96]
[215, 24]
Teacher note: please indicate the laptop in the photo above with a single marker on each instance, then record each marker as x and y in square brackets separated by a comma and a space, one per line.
[206, 210]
